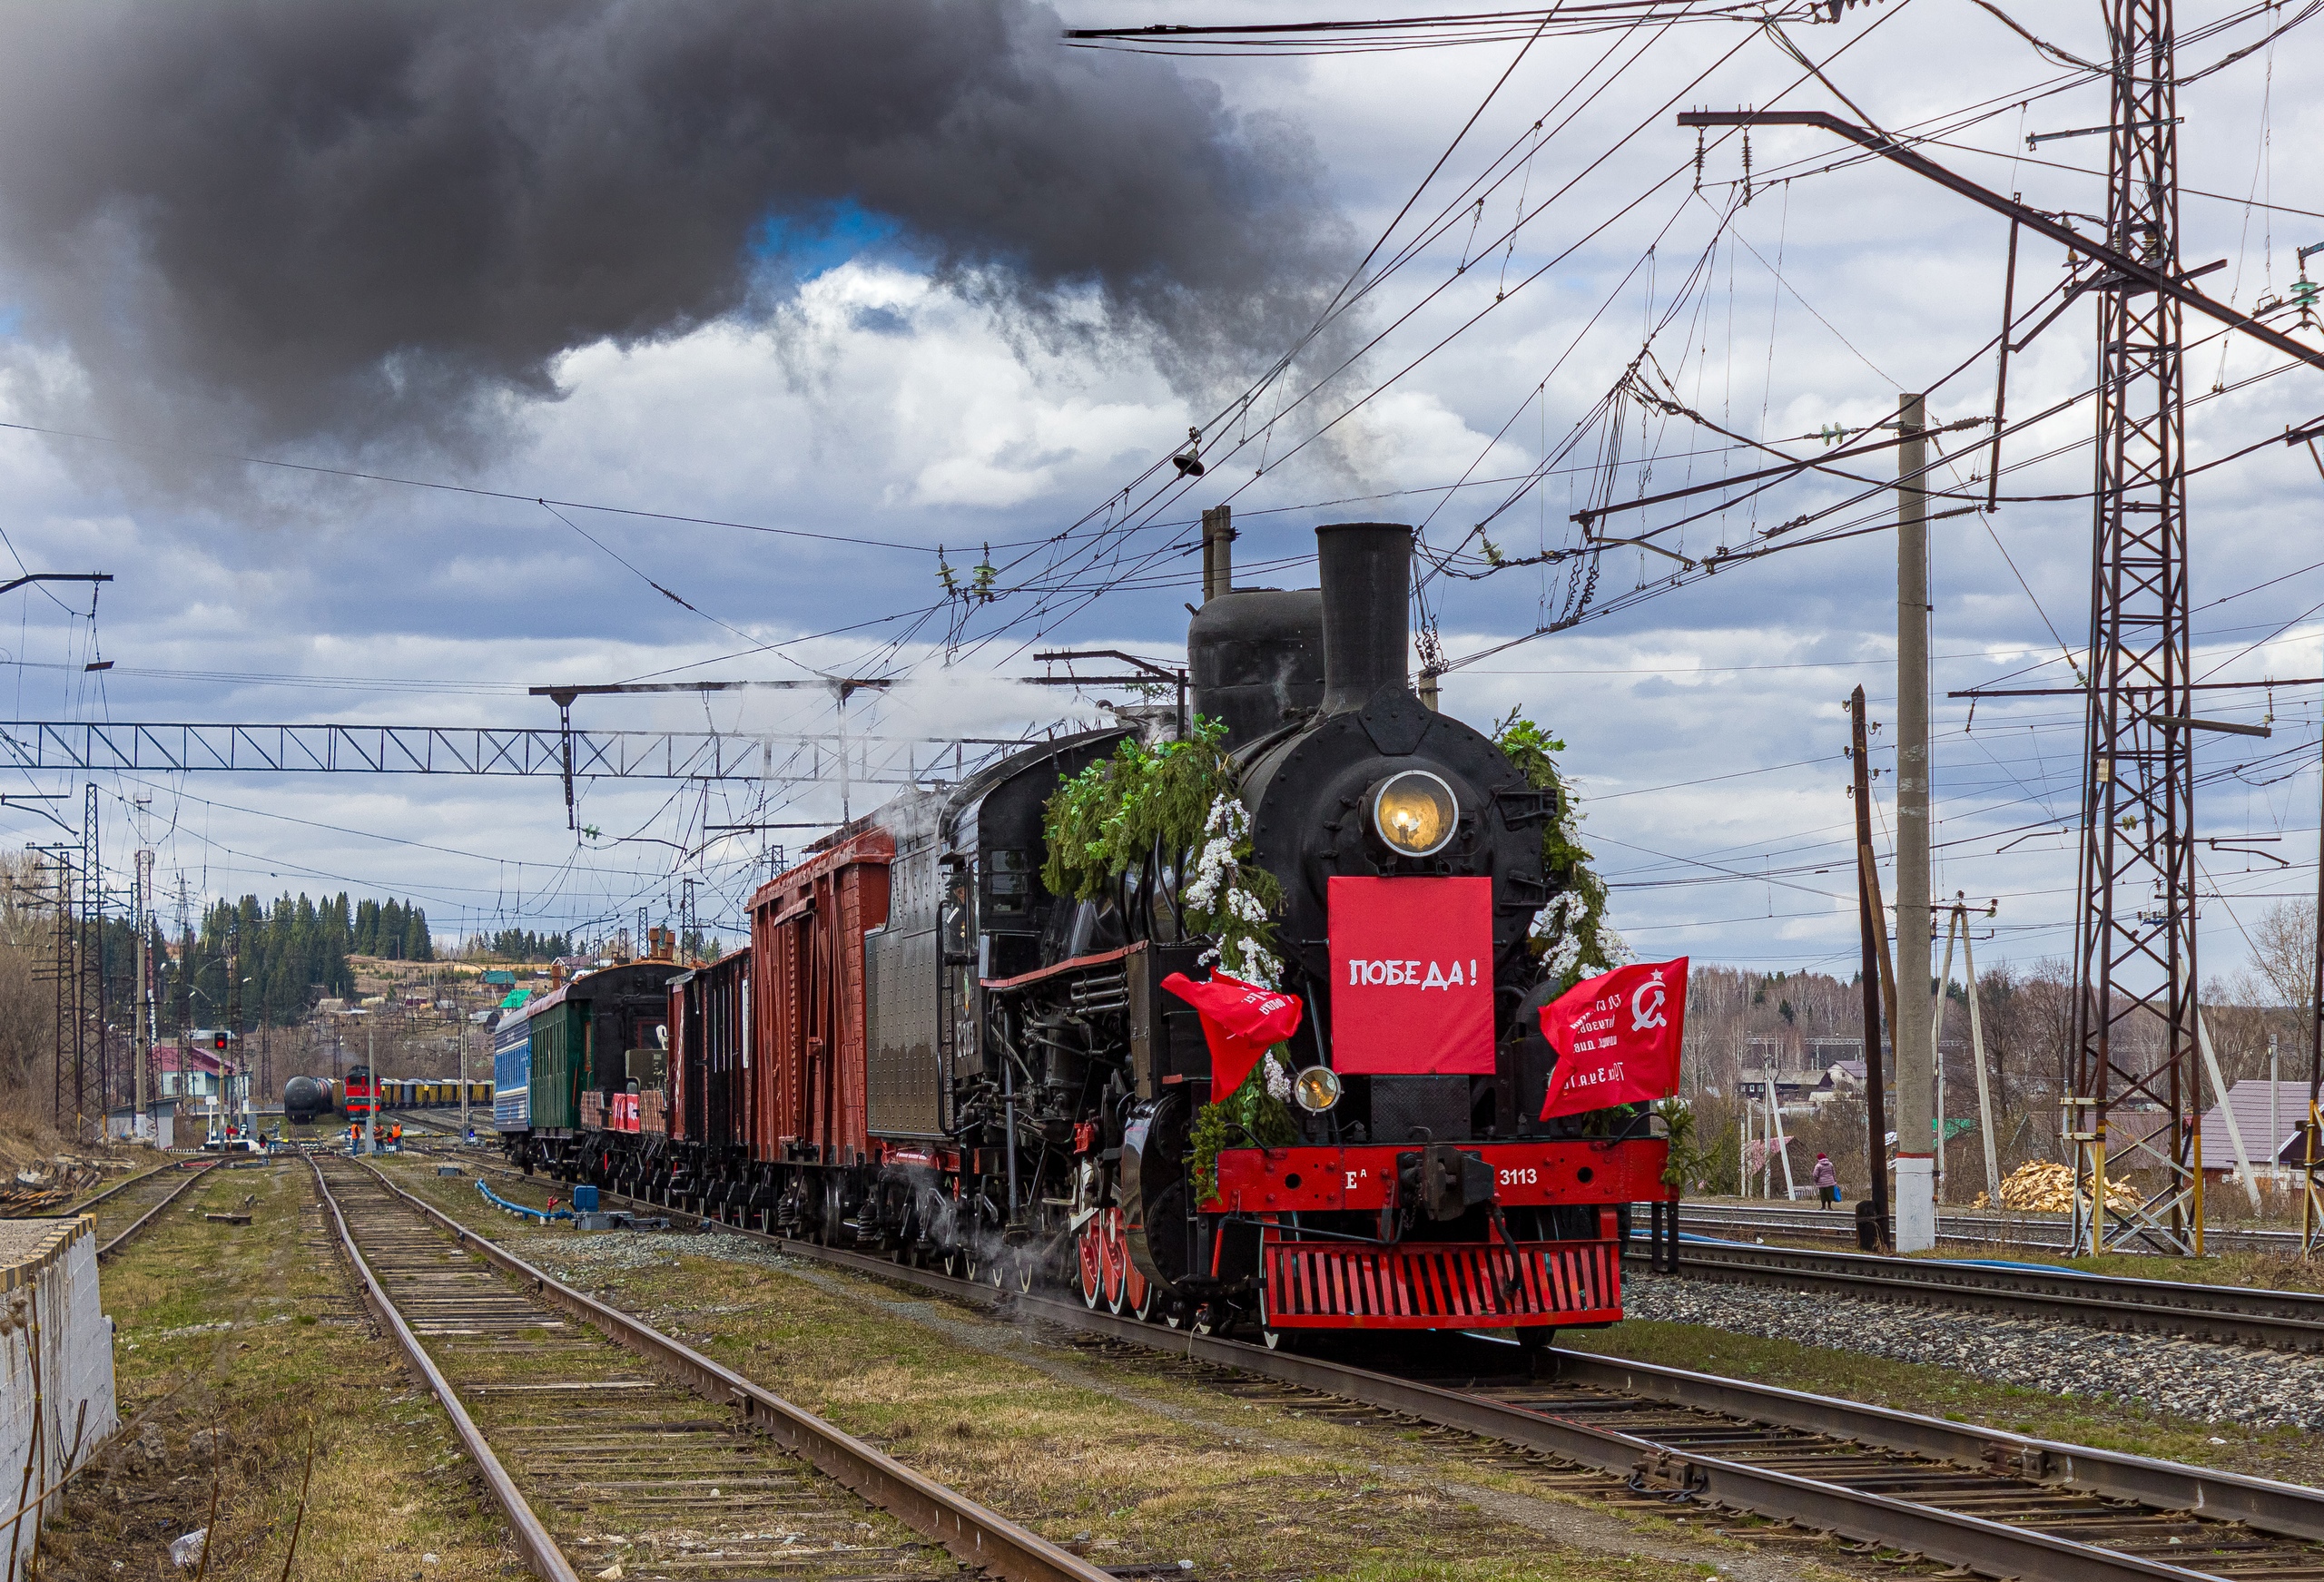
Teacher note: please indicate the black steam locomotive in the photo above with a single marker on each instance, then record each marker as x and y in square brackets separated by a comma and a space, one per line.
[922, 1050]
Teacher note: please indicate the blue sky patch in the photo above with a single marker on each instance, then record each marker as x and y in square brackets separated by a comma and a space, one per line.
[802, 244]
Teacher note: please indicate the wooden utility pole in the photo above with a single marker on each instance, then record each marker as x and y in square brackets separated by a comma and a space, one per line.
[1873, 928]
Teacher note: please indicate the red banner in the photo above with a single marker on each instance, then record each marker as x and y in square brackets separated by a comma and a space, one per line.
[1411, 975]
[1618, 1037]
[1241, 1020]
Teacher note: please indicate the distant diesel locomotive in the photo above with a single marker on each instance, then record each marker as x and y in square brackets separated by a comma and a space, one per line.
[922, 1051]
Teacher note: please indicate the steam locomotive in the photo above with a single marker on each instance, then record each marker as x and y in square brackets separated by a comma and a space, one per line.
[921, 1051]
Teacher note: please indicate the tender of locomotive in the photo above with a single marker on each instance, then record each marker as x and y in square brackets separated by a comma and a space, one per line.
[924, 1051]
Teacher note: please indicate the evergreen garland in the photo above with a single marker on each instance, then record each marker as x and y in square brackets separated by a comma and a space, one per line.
[1688, 1162]
[1178, 805]
[1570, 934]
[1254, 1113]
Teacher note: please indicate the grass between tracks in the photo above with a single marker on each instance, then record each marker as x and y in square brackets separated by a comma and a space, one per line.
[232, 1353]
[1130, 1459]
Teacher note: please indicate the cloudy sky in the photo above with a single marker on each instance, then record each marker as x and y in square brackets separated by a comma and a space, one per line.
[395, 361]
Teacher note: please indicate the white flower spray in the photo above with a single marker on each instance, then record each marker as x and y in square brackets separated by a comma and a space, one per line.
[1217, 887]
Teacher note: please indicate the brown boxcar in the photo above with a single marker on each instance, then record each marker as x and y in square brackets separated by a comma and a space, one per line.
[710, 1038]
[807, 931]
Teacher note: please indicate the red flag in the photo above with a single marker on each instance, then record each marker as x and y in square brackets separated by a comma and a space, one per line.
[1242, 1020]
[1616, 1037]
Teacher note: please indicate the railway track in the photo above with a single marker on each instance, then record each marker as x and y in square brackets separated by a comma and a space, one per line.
[88, 1205]
[607, 1443]
[2037, 1234]
[154, 1184]
[1992, 1502]
[2242, 1315]
[2289, 1319]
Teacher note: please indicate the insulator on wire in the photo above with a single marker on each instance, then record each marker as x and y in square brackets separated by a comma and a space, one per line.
[1698, 159]
[1746, 167]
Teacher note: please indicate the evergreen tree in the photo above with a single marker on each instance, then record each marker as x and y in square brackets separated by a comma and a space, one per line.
[416, 946]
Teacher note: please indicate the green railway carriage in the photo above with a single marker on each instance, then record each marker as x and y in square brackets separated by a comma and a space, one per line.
[576, 1045]
[561, 1066]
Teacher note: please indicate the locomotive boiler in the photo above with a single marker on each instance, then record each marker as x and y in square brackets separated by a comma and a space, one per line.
[923, 1051]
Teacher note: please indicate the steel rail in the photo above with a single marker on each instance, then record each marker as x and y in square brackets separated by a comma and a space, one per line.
[2284, 1509]
[121, 1186]
[194, 1172]
[540, 1551]
[1970, 1229]
[1992, 1548]
[2244, 1315]
[975, 1535]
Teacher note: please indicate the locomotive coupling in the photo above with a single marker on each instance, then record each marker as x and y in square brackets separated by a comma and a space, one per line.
[1444, 1181]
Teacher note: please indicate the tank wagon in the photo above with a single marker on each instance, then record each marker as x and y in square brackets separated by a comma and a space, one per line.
[309, 1099]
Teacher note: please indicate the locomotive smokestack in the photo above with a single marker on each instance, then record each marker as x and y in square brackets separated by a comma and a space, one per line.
[1366, 572]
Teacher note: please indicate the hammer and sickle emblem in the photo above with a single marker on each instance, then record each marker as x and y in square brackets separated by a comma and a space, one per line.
[1642, 1015]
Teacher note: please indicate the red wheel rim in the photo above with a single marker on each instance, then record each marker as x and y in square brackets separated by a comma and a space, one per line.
[1116, 1258]
[1090, 1246]
[1134, 1282]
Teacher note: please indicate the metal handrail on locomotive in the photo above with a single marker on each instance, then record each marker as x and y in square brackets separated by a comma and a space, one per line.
[922, 1051]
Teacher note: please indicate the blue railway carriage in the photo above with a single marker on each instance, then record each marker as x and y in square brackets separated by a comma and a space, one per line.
[512, 1072]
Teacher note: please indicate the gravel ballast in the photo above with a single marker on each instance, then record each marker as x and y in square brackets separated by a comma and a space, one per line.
[2199, 1379]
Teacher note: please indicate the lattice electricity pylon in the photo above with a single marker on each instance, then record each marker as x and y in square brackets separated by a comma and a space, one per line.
[2135, 1053]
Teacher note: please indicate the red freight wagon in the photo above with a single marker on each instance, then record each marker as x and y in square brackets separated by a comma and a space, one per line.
[710, 1099]
[807, 930]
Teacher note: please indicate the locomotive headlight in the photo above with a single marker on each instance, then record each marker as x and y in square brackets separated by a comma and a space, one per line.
[1315, 1089]
[1414, 812]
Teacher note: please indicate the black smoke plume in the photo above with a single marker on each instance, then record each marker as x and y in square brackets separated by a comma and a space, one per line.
[370, 223]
